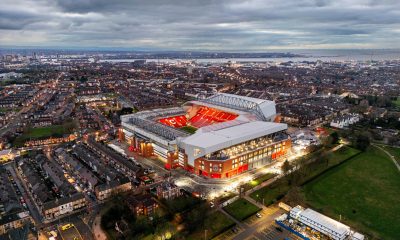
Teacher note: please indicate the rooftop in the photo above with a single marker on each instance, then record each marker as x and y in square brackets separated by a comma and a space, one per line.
[325, 221]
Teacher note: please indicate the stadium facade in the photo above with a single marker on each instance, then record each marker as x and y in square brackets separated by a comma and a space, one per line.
[217, 137]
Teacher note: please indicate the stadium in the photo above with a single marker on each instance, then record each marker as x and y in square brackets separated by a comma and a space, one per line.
[217, 137]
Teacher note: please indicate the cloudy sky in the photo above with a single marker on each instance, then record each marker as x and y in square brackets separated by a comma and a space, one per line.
[201, 25]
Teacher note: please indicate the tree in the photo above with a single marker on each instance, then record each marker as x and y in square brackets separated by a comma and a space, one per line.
[195, 218]
[361, 142]
[334, 138]
[286, 166]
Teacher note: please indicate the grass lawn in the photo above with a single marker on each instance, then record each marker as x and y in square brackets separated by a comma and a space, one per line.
[45, 131]
[215, 224]
[38, 133]
[241, 209]
[3, 110]
[258, 181]
[397, 102]
[189, 129]
[364, 191]
[277, 190]
[342, 154]
[393, 150]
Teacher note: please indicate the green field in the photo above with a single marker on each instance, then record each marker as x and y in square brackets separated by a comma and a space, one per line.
[215, 224]
[40, 133]
[395, 151]
[277, 190]
[364, 191]
[189, 129]
[241, 209]
[397, 102]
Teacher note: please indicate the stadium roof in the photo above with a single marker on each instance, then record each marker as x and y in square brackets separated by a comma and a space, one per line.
[264, 109]
[206, 140]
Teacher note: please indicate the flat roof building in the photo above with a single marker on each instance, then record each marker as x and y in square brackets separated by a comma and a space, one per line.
[326, 225]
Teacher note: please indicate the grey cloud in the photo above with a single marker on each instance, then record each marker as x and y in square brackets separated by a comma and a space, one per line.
[189, 24]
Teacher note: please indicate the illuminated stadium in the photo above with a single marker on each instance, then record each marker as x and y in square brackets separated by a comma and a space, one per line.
[217, 137]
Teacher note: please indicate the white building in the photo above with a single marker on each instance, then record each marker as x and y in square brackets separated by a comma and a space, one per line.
[328, 226]
[345, 120]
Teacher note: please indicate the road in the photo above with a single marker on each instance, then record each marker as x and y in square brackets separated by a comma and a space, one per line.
[264, 227]
[27, 197]
[390, 155]
[15, 120]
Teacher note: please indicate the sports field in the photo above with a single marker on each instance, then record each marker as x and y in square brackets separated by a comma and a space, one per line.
[39, 133]
[189, 129]
[364, 191]
[397, 102]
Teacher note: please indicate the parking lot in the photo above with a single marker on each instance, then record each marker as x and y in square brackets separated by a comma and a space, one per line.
[273, 232]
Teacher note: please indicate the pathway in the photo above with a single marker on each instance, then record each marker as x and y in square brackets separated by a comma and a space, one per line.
[390, 155]
[97, 231]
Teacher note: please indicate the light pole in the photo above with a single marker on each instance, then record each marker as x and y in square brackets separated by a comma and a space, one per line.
[205, 234]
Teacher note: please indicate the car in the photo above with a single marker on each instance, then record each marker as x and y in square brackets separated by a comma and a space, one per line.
[67, 226]
[52, 233]
[235, 230]
[258, 215]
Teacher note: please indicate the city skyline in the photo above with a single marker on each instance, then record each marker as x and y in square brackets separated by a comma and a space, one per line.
[206, 25]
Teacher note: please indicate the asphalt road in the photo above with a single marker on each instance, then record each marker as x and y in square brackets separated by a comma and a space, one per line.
[29, 202]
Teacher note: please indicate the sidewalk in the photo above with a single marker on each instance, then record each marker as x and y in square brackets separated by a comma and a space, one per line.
[97, 231]
[390, 155]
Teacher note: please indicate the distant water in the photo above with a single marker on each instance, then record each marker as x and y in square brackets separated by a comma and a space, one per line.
[342, 55]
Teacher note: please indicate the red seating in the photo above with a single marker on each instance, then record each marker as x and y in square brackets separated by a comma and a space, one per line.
[205, 116]
[177, 121]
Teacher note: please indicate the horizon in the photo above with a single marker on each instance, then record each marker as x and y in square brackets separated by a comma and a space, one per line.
[160, 50]
[228, 26]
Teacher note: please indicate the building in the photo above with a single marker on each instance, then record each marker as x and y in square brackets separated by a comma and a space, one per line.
[105, 191]
[323, 224]
[345, 120]
[14, 221]
[217, 137]
[118, 161]
[167, 190]
[6, 155]
[62, 206]
[142, 204]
